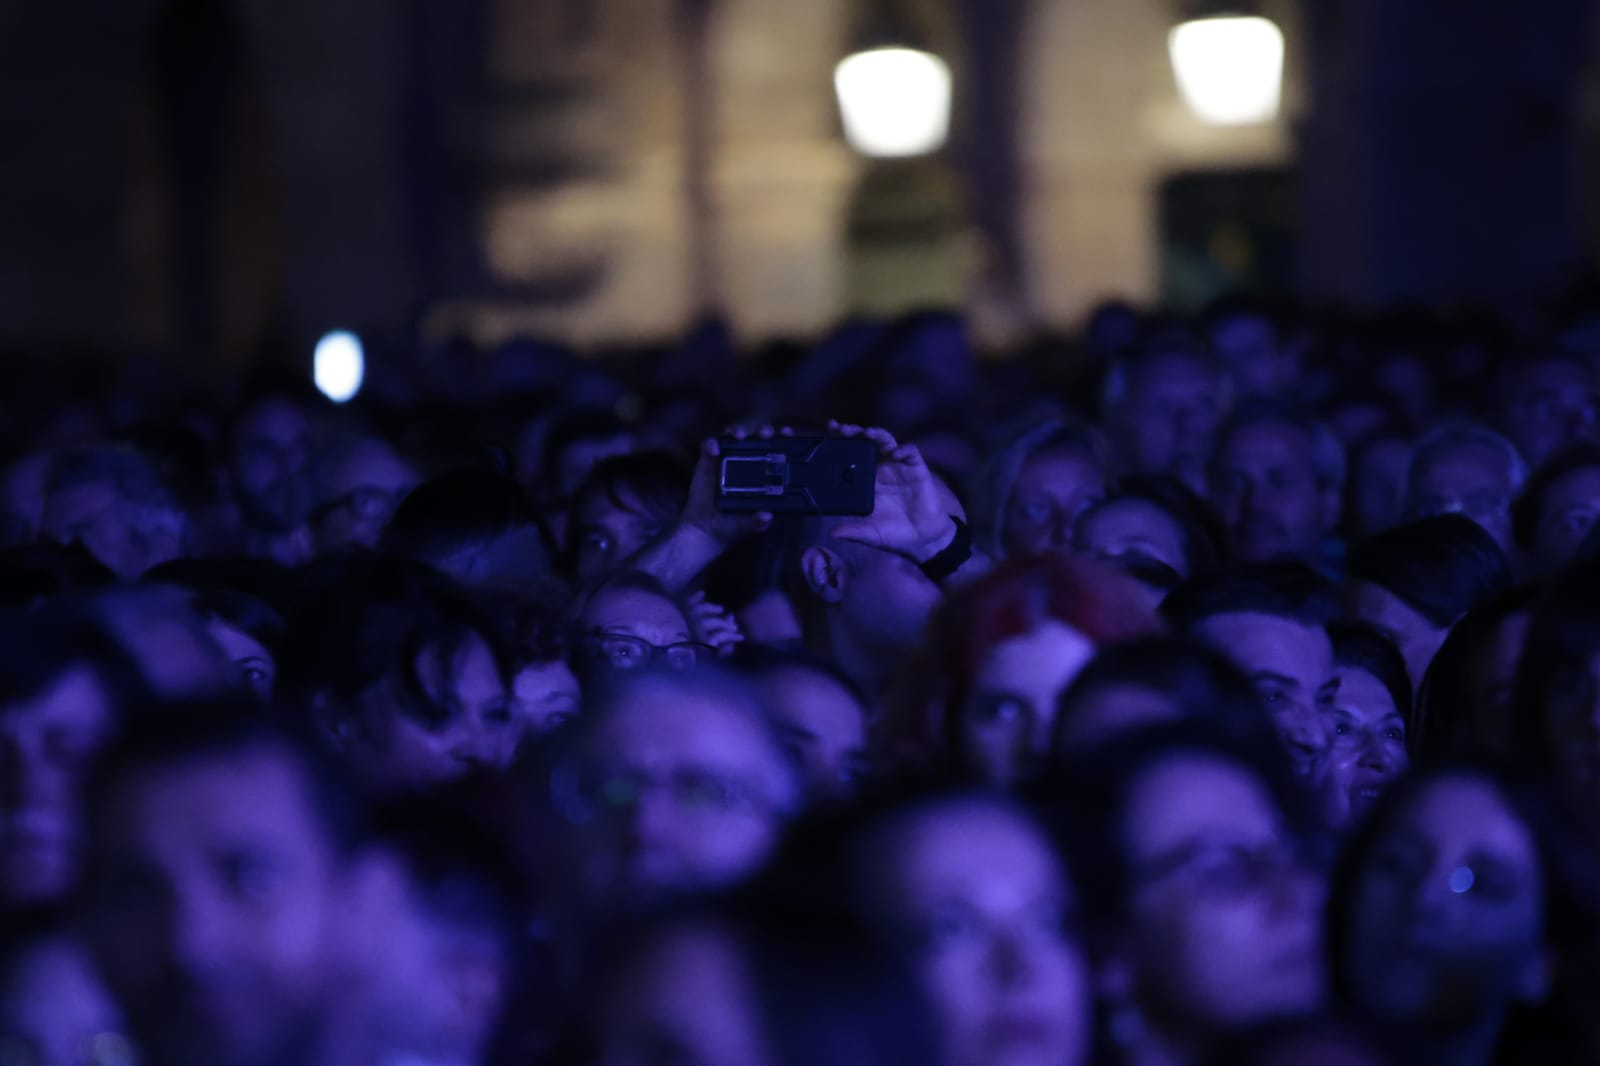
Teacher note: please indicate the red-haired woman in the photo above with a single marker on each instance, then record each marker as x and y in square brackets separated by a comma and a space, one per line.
[980, 701]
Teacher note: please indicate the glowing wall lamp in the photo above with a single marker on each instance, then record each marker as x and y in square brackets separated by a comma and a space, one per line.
[339, 366]
[895, 101]
[1229, 67]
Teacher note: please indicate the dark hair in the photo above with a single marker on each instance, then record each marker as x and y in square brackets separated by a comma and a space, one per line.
[657, 482]
[1450, 722]
[1362, 647]
[37, 572]
[1327, 454]
[574, 427]
[365, 617]
[760, 661]
[465, 511]
[1441, 567]
[260, 578]
[1291, 591]
[1528, 511]
[39, 648]
[175, 734]
[1201, 682]
[748, 570]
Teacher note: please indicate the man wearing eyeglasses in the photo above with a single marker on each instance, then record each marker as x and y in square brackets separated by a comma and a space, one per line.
[674, 782]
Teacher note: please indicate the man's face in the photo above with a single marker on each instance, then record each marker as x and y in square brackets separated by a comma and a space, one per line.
[360, 495]
[1264, 484]
[1551, 406]
[215, 893]
[1570, 509]
[1174, 406]
[93, 515]
[1248, 346]
[1465, 478]
[689, 793]
[1291, 666]
[271, 448]
[1054, 488]
[45, 744]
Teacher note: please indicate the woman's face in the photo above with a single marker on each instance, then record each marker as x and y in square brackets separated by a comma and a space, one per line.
[1369, 745]
[1010, 714]
[1054, 487]
[1225, 922]
[1132, 528]
[249, 656]
[606, 535]
[478, 730]
[1447, 919]
[980, 896]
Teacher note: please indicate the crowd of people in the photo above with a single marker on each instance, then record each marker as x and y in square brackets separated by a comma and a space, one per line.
[1218, 688]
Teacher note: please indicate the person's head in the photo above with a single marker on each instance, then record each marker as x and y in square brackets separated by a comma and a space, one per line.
[1547, 403]
[1153, 520]
[1272, 623]
[821, 714]
[623, 504]
[407, 674]
[629, 621]
[269, 442]
[1163, 406]
[357, 483]
[159, 628]
[1031, 492]
[574, 445]
[1245, 336]
[1469, 470]
[670, 781]
[541, 647]
[981, 702]
[1413, 582]
[864, 606]
[475, 525]
[219, 883]
[439, 978]
[249, 632]
[740, 983]
[1370, 712]
[1140, 683]
[55, 1010]
[1465, 707]
[1277, 480]
[112, 501]
[63, 687]
[1210, 917]
[1557, 509]
[971, 888]
[1447, 904]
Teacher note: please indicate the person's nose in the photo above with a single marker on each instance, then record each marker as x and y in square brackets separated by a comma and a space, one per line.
[1304, 731]
[1011, 961]
[1376, 756]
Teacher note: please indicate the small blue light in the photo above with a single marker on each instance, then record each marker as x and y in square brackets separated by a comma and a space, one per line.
[1461, 879]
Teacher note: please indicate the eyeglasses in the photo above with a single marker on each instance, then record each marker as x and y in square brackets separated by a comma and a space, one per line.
[583, 793]
[1220, 870]
[366, 504]
[625, 652]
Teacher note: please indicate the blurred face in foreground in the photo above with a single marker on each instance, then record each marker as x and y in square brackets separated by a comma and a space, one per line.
[979, 897]
[1224, 927]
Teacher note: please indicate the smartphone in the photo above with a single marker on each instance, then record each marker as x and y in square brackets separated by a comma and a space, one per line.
[798, 475]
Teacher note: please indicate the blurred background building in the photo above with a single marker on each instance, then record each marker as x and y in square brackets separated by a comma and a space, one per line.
[202, 175]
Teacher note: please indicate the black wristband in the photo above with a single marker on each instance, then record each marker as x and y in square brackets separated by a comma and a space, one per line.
[953, 557]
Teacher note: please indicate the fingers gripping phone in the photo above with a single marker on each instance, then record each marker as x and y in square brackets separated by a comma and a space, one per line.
[797, 475]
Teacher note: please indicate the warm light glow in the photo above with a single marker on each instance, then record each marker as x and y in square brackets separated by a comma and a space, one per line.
[1229, 68]
[895, 101]
[339, 366]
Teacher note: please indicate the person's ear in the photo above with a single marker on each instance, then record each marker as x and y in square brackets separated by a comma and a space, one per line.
[825, 573]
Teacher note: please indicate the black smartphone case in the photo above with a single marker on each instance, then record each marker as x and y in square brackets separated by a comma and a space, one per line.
[798, 475]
